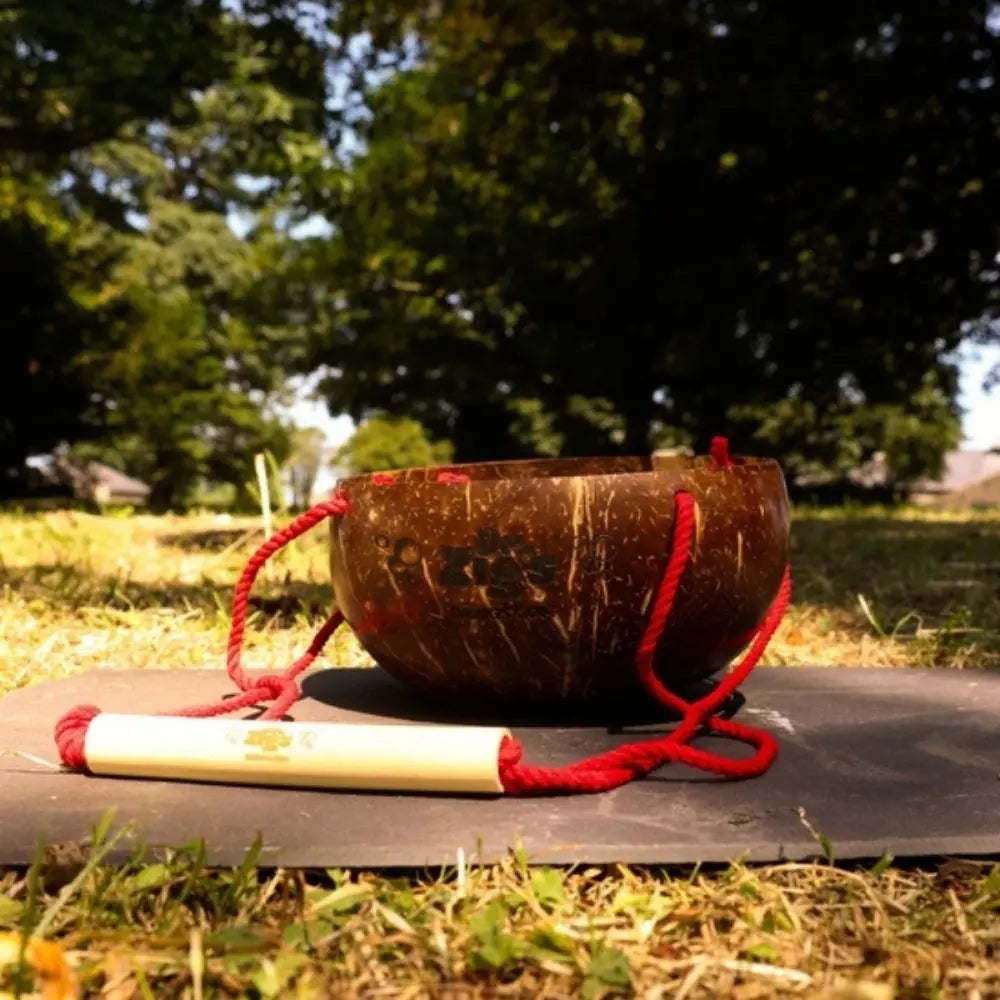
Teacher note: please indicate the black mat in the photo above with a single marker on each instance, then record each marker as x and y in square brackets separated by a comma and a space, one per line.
[904, 761]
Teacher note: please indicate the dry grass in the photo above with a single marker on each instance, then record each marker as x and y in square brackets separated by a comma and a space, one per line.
[882, 588]
[80, 592]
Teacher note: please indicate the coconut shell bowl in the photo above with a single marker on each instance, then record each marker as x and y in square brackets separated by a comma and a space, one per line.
[534, 581]
[540, 583]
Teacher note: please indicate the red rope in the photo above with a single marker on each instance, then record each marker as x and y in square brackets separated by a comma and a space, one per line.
[280, 689]
[594, 774]
[719, 450]
[633, 760]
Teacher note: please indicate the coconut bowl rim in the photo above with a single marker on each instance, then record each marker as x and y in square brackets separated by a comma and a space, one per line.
[548, 469]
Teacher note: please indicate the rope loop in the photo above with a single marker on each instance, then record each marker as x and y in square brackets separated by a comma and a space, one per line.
[626, 763]
[281, 689]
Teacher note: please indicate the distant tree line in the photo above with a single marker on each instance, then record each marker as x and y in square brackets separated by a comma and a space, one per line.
[547, 228]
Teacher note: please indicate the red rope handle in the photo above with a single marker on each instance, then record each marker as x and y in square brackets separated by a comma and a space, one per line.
[633, 760]
[280, 689]
[598, 773]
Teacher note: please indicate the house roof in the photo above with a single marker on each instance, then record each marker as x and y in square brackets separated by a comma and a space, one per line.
[985, 492]
[962, 469]
[88, 477]
[117, 482]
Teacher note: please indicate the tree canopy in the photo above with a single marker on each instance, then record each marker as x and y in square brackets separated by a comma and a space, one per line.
[387, 442]
[598, 226]
[588, 227]
[132, 135]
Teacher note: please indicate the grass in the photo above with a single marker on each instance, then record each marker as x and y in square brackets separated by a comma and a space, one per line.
[79, 592]
[881, 588]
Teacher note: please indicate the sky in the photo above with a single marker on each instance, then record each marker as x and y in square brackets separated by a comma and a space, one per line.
[981, 422]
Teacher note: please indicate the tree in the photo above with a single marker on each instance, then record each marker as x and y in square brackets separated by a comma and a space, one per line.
[71, 75]
[387, 442]
[146, 326]
[593, 227]
[44, 395]
[183, 392]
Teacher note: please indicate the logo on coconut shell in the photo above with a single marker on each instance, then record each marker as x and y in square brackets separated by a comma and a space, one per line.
[507, 566]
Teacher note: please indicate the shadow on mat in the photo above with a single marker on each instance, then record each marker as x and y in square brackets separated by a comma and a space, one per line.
[372, 691]
[851, 741]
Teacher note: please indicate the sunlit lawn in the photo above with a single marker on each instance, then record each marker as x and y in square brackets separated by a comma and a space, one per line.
[78, 592]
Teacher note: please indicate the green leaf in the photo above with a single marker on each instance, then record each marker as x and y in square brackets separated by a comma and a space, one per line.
[102, 827]
[608, 970]
[762, 952]
[548, 945]
[337, 876]
[10, 911]
[626, 901]
[991, 887]
[827, 846]
[344, 899]
[496, 953]
[251, 859]
[882, 865]
[296, 936]
[548, 887]
[273, 977]
[239, 963]
[240, 938]
[303, 936]
[152, 876]
[496, 948]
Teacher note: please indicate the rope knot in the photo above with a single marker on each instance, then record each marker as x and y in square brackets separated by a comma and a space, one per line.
[274, 685]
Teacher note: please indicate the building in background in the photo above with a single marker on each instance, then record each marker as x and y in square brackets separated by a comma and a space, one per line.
[62, 477]
[971, 478]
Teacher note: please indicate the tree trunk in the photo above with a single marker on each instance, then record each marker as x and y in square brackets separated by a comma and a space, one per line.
[161, 495]
[638, 413]
[637, 426]
[482, 434]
